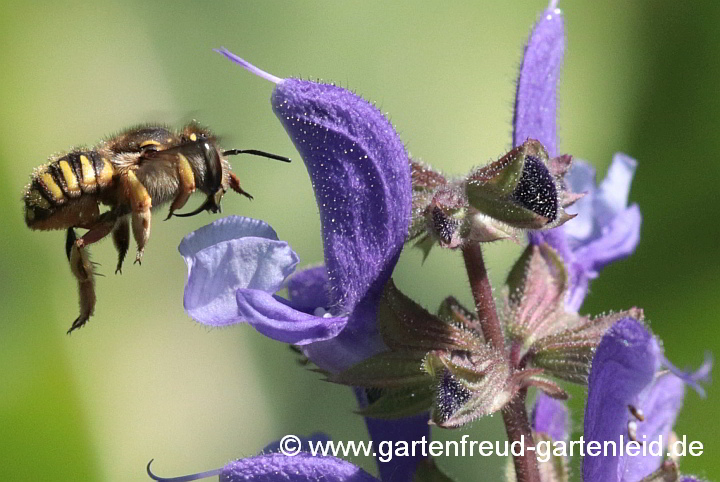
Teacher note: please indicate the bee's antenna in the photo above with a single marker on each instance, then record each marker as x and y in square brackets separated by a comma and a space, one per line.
[255, 152]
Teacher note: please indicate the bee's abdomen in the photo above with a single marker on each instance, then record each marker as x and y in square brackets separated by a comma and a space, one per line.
[58, 186]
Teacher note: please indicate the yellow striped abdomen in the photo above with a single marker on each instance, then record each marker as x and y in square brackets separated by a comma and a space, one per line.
[62, 194]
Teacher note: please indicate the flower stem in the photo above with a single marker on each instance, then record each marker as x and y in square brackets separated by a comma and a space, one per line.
[517, 427]
[514, 414]
[482, 292]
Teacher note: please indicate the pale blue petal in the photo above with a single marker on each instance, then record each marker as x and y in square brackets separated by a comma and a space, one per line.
[231, 253]
[618, 240]
[614, 190]
[581, 179]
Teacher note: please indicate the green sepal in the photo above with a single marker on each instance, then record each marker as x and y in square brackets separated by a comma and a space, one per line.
[500, 178]
[567, 353]
[543, 332]
[472, 376]
[537, 285]
[451, 311]
[405, 325]
[468, 386]
[504, 210]
[401, 402]
[554, 269]
[424, 178]
[425, 244]
[390, 369]
[490, 188]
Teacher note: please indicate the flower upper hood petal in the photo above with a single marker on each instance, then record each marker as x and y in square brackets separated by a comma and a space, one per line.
[361, 176]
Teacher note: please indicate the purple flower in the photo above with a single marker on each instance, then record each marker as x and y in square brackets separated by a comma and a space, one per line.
[271, 466]
[550, 424]
[361, 177]
[535, 98]
[360, 173]
[631, 397]
[605, 229]
[237, 251]
[551, 417]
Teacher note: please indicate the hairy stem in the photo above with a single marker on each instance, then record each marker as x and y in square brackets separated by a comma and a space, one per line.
[482, 292]
[514, 414]
[517, 427]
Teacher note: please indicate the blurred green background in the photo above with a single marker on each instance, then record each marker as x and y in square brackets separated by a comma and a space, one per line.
[143, 381]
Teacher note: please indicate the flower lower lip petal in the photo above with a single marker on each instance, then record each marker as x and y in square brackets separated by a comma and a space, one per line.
[278, 321]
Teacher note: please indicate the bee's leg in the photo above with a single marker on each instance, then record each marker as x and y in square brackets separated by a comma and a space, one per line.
[83, 271]
[82, 268]
[235, 185]
[121, 240]
[140, 203]
[187, 184]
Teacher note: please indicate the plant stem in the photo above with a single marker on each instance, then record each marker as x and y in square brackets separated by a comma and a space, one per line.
[514, 414]
[482, 292]
[517, 427]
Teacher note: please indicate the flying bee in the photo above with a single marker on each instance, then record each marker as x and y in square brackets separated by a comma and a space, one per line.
[132, 173]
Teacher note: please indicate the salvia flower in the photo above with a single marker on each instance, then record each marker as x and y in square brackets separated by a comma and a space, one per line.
[632, 396]
[522, 190]
[361, 177]
[360, 173]
[238, 252]
[550, 423]
[605, 229]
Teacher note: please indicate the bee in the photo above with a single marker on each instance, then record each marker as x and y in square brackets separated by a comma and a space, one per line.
[131, 174]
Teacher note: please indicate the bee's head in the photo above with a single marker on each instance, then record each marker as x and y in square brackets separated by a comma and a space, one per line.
[211, 170]
[216, 178]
